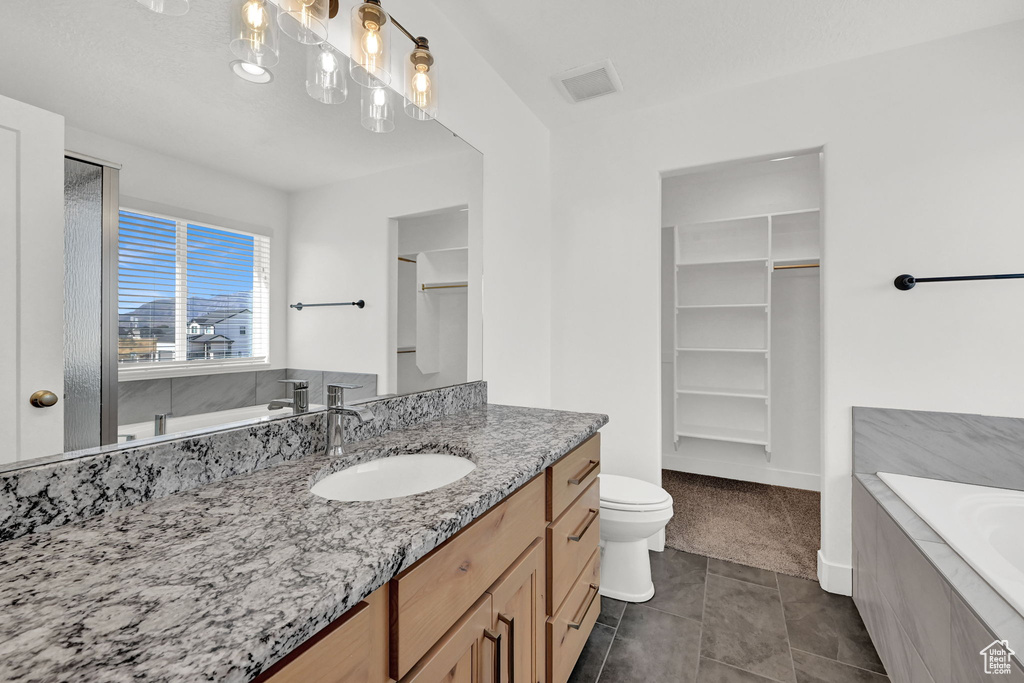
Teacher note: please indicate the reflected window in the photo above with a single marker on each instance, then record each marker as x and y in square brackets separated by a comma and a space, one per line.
[190, 293]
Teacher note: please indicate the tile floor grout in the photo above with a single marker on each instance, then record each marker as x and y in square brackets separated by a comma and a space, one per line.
[688, 580]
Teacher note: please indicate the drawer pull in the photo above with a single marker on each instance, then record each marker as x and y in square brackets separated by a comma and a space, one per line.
[594, 514]
[495, 638]
[577, 624]
[592, 465]
[511, 625]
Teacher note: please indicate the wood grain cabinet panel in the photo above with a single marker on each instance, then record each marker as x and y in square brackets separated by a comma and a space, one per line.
[571, 540]
[572, 474]
[518, 601]
[429, 597]
[569, 628]
[351, 649]
[464, 654]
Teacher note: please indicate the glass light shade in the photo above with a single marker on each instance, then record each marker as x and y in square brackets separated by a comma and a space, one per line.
[421, 85]
[325, 75]
[375, 110]
[175, 8]
[304, 20]
[371, 46]
[254, 32]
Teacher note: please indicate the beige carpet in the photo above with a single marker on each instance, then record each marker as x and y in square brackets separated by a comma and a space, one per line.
[771, 527]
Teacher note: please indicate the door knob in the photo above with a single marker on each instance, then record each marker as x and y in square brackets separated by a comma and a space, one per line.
[43, 399]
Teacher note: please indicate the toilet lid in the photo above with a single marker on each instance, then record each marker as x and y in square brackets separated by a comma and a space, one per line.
[629, 491]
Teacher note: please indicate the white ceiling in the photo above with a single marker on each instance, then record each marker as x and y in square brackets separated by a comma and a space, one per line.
[164, 83]
[666, 50]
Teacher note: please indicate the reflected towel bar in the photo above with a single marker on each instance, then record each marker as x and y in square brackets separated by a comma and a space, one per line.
[299, 306]
[905, 282]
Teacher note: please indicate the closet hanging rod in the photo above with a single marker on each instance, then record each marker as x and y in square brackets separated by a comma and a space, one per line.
[358, 304]
[905, 282]
[425, 287]
[797, 265]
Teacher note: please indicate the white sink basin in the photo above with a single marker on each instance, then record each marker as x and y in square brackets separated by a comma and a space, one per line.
[393, 477]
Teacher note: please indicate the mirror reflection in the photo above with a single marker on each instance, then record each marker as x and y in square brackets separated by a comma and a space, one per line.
[205, 216]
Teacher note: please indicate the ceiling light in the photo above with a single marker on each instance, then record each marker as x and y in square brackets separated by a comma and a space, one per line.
[371, 45]
[325, 75]
[174, 8]
[375, 110]
[254, 37]
[304, 20]
[251, 72]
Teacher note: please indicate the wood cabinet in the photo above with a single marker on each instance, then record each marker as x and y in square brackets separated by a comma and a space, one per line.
[480, 607]
[519, 615]
[468, 653]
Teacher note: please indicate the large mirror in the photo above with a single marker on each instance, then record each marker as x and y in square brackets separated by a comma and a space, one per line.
[166, 209]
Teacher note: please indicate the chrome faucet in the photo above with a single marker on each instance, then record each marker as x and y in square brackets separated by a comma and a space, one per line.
[160, 424]
[336, 412]
[299, 402]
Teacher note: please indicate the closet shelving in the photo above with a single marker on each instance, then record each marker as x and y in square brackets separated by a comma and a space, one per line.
[723, 294]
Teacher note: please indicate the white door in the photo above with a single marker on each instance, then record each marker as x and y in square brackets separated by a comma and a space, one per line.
[31, 279]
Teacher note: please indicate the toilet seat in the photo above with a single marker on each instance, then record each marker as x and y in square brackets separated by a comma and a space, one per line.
[628, 494]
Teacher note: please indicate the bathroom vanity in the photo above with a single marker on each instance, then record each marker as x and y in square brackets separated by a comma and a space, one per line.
[491, 578]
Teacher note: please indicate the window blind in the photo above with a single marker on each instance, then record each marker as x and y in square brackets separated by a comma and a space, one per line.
[190, 293]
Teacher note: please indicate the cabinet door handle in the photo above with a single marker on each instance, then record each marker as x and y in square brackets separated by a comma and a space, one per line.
[585, 473]
[594, 514]
[510, 623]
[495, 638]
[579, 622]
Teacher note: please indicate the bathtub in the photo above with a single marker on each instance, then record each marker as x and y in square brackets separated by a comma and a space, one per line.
[188, 423]
[984, 525]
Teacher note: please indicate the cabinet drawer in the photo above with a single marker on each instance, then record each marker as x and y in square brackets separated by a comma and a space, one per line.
[571, 475]
[429, 598]
[571, 540]
[351, 649]
[571, 625]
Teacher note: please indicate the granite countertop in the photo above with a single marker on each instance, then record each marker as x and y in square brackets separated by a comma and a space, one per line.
[218, 583]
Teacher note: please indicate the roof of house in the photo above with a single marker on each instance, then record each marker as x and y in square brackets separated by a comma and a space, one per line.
[206, 338]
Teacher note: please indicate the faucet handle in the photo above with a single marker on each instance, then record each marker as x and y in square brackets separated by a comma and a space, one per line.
[336, 394]
[299, 383]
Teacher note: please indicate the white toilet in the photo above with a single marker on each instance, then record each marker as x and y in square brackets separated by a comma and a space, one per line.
[631, 512]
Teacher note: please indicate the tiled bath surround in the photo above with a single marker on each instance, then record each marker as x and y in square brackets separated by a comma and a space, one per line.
[926, 608]
[139, 400]
[50, 494]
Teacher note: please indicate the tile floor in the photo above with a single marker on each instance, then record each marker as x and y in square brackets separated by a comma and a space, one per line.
[712, 621]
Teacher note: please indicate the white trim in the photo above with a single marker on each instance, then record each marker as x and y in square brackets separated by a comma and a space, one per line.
[757, 473]
[835, 578]
[127, 373]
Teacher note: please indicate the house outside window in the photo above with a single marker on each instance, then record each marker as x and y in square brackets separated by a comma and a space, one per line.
[190, 294]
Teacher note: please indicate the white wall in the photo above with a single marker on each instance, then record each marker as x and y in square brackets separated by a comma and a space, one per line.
[923, 156]
[344, 244]
[153, 181]
[477, 104]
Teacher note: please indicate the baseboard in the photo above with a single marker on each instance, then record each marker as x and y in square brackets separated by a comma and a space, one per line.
[657, 542]
[835, 578]
[731, 470]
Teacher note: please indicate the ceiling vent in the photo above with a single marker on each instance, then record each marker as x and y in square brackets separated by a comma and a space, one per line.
[587, 82]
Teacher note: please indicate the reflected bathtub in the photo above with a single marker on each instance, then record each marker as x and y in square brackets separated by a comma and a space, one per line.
[190, 423]
[984, 525]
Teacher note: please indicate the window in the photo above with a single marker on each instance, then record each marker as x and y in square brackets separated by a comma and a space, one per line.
[190, 293]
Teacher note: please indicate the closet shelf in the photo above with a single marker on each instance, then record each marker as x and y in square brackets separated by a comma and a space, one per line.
[725, 262]
[722, 434]
[796, 260]
[693, 307]
[717, 391]
[731, 219]
[694, 349]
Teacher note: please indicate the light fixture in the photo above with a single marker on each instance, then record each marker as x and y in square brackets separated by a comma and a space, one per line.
[375, 110]
[371, 45]
[174, 8]
[304, 20]
[325, 75]
[254, 73]
[421, 82]
[254, 32]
